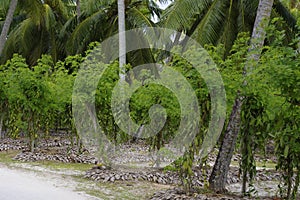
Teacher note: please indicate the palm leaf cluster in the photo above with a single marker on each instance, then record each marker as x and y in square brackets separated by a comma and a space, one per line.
[61, 27]
[53, 27]
[219, 21]
[37, 32]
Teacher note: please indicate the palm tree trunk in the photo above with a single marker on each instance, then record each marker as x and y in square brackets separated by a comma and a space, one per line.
[78, 11]
[122, 39]
[220, 170]
[218, 177]
[122, 46]
[1, 125]
[7, 22]
[259, 32]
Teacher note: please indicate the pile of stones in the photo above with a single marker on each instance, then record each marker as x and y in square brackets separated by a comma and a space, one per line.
[104, 174]
[72, 158]
[54, 149]
[10, 144]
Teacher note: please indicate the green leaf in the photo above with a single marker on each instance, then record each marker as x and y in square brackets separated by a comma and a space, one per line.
[286, 151]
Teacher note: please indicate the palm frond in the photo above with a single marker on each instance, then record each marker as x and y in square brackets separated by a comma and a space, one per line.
[71, 7]
[230, 28]
[4, 5]
[90, 29]
[210, 28]
[285, 14]
[247, 14]
[138, 19]
[16, 20]
[93, 6]
[34, 10]
[49, 17]
[21, 40]
[69, 26]
[178, 16]
[59, 9]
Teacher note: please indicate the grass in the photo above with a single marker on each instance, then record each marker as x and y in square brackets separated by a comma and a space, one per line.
[6, 157]
[64, 166]
[270, 165]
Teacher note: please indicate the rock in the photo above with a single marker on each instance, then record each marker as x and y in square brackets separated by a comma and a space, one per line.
[112, 179]
[106, 179]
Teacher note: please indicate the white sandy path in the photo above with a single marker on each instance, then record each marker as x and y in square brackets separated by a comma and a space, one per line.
[16, 184]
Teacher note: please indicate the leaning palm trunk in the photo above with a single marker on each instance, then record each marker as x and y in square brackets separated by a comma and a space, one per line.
[220, 170]
[7, 22]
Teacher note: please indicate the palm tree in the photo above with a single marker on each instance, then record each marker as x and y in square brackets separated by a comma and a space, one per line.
[8, 21]
[37, 33]
[218, 176]
[98, 21]
[217, 21]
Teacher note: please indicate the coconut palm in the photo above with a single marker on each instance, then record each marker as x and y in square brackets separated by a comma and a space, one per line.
[38, 32]
[99, 20]
[218, 176]
[215, 21]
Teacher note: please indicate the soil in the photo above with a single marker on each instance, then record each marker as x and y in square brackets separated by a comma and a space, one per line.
[134, 175]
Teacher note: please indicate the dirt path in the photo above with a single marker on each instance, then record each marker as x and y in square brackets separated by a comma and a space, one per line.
[19, 184]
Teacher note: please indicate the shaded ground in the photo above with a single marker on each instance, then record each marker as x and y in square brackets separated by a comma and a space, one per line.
[133, 179]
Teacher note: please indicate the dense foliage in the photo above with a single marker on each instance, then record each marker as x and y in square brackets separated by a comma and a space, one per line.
[47, 46]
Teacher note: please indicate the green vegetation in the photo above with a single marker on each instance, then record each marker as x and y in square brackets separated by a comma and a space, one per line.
[49, 41]
[62, 166]
[6, 157]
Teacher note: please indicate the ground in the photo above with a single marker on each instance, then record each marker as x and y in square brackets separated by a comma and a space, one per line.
[134, 178]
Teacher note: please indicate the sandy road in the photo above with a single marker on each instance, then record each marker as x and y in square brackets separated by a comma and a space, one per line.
[16, 184]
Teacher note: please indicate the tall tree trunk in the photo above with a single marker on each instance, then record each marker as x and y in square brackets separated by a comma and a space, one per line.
[7, 22]
[78, 11]
[122, 39]
[1, 124]
[122, 47]
[218, 177]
